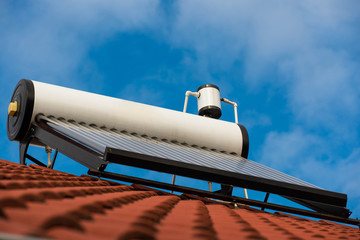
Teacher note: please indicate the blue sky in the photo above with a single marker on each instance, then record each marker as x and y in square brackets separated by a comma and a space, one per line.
[293, 67]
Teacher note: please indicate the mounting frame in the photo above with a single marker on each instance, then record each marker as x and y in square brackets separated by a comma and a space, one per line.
[223, 197]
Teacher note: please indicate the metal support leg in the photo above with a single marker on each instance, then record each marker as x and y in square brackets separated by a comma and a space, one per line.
[23, 147]
[35, 160]
[53, 160]
[265, 200]
[245, 193]
[210, 187]
[173, 182]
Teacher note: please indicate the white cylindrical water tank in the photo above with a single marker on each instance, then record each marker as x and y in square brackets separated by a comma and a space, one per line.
[35, 98]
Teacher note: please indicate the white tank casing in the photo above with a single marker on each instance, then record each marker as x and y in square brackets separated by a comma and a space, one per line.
[209, 104]
[80, 106]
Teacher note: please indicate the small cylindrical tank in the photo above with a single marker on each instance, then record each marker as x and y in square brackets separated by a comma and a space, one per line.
[209, 101]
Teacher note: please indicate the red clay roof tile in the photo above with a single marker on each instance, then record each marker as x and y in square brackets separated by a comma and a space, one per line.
[227, 224]
[188, 220]
[41, 202]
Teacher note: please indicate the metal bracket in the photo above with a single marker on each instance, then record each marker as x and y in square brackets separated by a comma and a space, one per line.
[23, 147]
[68, 147]
[265, 200]
[53, 160]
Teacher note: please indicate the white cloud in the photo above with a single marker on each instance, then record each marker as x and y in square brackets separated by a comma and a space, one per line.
[337, 173]
[286, 150]
[325, 91]
[143, 94]
[316, 160]
[252, 119]
[49, 40]
[302, 45]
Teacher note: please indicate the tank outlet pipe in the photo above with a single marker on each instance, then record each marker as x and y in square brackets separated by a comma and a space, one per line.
[235, 107]
[187, 94]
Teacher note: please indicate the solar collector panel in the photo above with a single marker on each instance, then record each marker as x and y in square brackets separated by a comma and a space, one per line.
[99, 139]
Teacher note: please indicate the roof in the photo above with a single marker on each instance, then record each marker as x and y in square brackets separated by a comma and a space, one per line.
[45, 203]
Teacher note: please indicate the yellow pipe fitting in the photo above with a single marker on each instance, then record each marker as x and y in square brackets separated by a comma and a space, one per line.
[13, 108]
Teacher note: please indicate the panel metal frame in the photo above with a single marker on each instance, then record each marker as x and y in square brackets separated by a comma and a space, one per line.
[67, 146]
[224, 177]
[326, 201]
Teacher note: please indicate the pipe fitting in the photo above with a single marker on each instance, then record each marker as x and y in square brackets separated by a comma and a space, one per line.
[13, 108]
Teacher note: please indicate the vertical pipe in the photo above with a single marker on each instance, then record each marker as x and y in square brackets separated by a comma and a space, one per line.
[235, 112]
[186, 101]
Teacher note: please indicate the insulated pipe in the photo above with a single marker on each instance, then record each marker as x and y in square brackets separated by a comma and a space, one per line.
[195, 94]
[235, 107]
[35, 98]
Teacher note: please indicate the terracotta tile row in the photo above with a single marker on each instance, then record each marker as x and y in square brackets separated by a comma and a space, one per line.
[19, 198]
[24, 184]
[281, 226]
[37, 176]
[13, 167]
[137, 220]
[40, 217]
[188, 220]
[228, 224]
[86, 208]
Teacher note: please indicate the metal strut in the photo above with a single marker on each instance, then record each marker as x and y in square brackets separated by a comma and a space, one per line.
[265, 200]
[53, 160]
[23, 148]
[23, 153]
